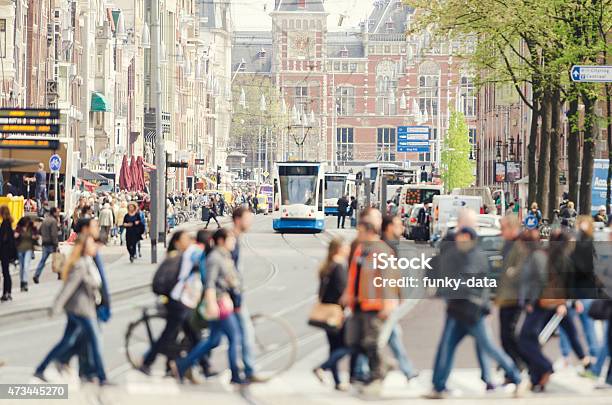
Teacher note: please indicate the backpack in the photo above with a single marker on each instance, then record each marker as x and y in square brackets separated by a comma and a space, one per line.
[167, 274]
[532, 221]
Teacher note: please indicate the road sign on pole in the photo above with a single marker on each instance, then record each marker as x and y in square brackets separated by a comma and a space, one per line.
[413, 139]
[591, 74]
[55, 163]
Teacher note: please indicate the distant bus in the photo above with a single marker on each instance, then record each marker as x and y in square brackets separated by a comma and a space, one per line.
[337, 185]
[268, 191]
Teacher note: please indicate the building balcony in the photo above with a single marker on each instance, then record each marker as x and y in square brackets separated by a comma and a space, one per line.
[387, 37]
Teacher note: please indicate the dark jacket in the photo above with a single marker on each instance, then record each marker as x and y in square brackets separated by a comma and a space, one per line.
[332, 285]
[467, 304]
[49, 230]
[585, 282]
[342, 205]
[8, 250]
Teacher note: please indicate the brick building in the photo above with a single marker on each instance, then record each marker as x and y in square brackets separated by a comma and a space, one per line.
[351, 89]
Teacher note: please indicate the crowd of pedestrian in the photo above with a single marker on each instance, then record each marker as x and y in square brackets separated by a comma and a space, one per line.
[548, 286]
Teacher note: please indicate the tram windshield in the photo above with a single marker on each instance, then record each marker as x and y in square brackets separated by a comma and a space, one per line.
[334, 186]
[298, 184]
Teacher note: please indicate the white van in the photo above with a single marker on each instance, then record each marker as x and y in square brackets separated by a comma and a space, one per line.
[446, 209]
[413, 194]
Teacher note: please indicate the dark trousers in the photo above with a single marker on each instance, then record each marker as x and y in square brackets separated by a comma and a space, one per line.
[7, 284]
[508, 318]
[341, 219]
[337, 350]
[211, 216]
[176, 314]
[537, 363]
[609, 376]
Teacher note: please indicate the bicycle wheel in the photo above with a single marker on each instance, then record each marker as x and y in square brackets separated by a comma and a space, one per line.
[275, 345]
[140, 335]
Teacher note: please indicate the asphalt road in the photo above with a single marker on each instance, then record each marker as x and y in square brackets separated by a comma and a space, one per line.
[280, 277]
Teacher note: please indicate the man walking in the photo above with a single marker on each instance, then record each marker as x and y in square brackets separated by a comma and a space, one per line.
[370, 305]
[343, 205]
[242, 220]
[466, 310]
[392, 231]
[49, 230]
[41, 186]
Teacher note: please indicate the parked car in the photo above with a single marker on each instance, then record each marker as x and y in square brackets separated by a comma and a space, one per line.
[411, 221]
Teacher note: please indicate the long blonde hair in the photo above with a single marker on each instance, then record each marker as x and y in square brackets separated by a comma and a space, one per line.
[334, 247]
[77, 252]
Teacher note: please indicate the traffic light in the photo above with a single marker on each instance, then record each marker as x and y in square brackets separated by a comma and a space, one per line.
[218, 175]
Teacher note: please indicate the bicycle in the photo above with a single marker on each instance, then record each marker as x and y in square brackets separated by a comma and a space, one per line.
[275, 343]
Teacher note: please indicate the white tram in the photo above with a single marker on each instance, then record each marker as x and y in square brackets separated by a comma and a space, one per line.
[299, 197]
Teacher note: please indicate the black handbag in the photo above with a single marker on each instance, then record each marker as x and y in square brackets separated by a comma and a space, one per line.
[601, 310]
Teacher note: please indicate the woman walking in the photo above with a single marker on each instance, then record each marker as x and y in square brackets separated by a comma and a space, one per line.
[8, 251]
[332, 282]
[212, 206]
[134, 229]
[222, 282]
[78, 298]
[26, 240]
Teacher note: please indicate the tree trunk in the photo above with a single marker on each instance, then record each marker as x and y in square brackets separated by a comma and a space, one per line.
[544, 153]
[555, 134]
[573, 151]
[588, 153]
[532, 150]
[609, 140]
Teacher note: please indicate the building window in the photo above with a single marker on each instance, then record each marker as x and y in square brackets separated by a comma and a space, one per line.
[468, 97]
[473, 137]
[386, 88]
[385, 145]
[300, 99]
[344, 143]
[2, 37]
[345, 100]
[428, 94]
[425, 157]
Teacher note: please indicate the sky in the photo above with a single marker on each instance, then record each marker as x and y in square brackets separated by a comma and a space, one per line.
[250, 14]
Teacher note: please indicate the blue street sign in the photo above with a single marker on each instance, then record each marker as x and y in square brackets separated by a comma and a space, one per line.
[55, 163]
[591, 74]
[417, 132]
[413, 149]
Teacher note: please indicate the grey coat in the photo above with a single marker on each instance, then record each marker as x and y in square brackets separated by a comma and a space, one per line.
[81, 292]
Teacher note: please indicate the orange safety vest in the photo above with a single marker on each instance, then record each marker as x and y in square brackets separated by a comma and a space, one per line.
[369, 297]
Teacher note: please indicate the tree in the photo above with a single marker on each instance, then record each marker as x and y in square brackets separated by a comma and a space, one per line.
[457, 168]
[251, 128]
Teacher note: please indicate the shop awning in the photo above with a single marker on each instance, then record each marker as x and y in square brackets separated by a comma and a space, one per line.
[99, 103]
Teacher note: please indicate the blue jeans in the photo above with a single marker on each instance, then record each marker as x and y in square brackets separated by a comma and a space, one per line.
[24, 264]
[603, 354]
[228, 327]
[397, 347]
[587, 327]
[76, 326]
[247, 335]
[46, 252]
[453, 334]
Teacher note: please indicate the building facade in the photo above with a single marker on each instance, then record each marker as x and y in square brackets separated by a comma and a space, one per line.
[349, 90]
